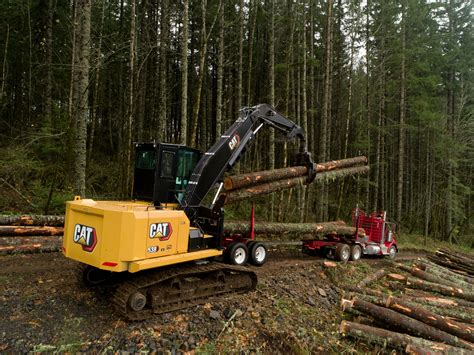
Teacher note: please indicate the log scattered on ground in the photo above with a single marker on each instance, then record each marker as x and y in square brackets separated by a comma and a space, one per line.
[270, 187]
[29, 248]
[30, 230]
[282, 229]
[372, 278]
[444, 272]
[245, 180]
[363, 290]
[428, 317]
[32, 220]
[456, 267]
[432, 287]
[403, 322]
[393, 339]
[427, 276]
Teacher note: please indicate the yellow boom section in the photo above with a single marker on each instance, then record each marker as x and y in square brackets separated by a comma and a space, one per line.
[127, 236]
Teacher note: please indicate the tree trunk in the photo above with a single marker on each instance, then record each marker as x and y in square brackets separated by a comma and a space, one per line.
[433, 287]
[285, 229]
[81, 78]
[220, 71]
[372, 278]
[430, 318]
[10, 231]
[393, 339]
[326, 113]
[401, 130]
[405, 323]
[32, 220]
[253, 191]
[184, 74]
[244, 180]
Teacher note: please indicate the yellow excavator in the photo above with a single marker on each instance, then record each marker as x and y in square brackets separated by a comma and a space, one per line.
[163, 243]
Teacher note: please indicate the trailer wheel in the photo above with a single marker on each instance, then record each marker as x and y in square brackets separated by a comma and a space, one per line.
[392, 252]
[356, 252]
[238, 254]
[343, 252]
[258, 254]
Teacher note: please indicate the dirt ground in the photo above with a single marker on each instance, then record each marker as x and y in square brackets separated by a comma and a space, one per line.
[295, 309]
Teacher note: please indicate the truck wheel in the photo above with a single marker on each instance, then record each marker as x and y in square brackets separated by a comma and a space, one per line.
[392, 252]
[356, 252]
[258, 254]
[343, 252]
[238, 254]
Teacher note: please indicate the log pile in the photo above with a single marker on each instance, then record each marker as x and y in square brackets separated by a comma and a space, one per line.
[427, 313]
[245, 186]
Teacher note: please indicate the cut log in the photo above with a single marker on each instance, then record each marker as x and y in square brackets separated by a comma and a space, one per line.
[428, 317]
[441, 289]
[443, 302]
[281, 229]
[372, 278]
[397, 277]
[29, 248]
[427, 276]
[394, 340]
[267, 188]
[245, 180]
[32, 220]
[26, 231]
[456, 267]
[444, 272]
[403, 322]
[363, 290]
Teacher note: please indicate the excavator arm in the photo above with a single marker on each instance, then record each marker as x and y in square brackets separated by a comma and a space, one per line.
[223, 155]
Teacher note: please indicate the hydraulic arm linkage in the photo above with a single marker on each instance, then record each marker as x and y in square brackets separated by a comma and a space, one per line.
[224, 154]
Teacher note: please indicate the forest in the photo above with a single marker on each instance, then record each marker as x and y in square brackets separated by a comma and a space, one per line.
[83, 80]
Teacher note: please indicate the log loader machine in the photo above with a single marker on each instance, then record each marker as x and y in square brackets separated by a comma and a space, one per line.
[162, 241]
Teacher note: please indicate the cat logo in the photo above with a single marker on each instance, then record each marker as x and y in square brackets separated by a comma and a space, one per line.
[86, 236]
[162, 231]
[234, 142]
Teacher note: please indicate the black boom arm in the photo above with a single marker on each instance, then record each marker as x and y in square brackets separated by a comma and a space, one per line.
[228, 149]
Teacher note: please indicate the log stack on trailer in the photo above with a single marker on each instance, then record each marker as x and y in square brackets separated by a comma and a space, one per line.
[426, 313]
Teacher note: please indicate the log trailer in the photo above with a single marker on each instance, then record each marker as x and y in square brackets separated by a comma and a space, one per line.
[373, 236]
[160, 242]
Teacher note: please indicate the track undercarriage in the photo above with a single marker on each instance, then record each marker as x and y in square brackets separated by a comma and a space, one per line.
[168, 289]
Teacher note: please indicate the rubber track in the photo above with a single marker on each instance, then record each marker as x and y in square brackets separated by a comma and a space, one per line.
[150, 278]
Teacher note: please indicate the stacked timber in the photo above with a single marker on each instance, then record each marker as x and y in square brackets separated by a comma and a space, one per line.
[427, 313]
[245, 186]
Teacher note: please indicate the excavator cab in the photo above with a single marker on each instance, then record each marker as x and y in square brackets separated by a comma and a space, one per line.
[162, 172]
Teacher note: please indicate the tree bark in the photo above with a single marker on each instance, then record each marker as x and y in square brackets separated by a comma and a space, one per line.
[372, 278]
[393, 339]
[244, 180]
[339, 227]
[184, 74]
[220, 70]
[10, 231]
[32, 220]
[445, 272]
[431, 278]
[430, 318]
[267, 188]
[81, 77]
[405, 323]
[433, 287]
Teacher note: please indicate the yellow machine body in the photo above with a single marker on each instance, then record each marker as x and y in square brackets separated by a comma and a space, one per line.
[127, 236]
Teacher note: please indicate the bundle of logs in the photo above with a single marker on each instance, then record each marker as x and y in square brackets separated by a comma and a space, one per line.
[245, 186]
[430, 310]
[37, 233]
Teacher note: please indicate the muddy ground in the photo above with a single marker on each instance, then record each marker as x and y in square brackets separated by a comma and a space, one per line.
[295, 309]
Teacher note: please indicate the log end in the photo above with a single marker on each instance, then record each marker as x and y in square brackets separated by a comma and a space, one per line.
[346, 305]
